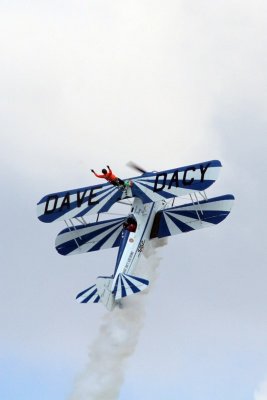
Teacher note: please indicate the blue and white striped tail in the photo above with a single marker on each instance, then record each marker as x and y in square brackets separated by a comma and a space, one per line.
[89, 295]
[126, 285]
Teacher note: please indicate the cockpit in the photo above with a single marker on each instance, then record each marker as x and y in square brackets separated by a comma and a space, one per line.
[130, 223]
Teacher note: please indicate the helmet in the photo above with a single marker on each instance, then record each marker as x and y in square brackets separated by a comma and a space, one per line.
[104, 171]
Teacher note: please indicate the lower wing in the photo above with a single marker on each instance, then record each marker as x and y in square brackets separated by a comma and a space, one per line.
[90, 237]
[189, 217]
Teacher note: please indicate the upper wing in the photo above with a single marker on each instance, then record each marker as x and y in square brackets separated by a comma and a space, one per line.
[78, 202]
[190, 217]
[175, 182]
[91, 237]
[149, 187]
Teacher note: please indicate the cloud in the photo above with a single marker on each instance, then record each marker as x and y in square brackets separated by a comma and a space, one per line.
[261, 392]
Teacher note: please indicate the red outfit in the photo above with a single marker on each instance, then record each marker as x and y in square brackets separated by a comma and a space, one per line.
[109, 176]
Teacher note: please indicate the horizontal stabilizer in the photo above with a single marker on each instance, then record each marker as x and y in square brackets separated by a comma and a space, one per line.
[127, 285]
[189, 217]
[88, 295]
[91, 237]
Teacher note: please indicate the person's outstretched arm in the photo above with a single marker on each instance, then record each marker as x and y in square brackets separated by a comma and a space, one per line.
[98, 176]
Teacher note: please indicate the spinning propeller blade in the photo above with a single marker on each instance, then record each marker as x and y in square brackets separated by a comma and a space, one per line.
[132, 165]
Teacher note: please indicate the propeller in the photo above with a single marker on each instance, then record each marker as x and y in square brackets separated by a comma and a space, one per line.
[133, 165]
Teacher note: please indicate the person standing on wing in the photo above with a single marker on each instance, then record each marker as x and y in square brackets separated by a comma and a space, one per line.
[110, 177]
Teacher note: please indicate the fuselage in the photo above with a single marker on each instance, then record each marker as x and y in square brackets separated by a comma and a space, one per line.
[134, 243]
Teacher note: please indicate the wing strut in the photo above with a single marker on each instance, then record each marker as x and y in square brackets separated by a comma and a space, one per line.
[72, 231]
[203, 195]
[194, 204]
[81, 221]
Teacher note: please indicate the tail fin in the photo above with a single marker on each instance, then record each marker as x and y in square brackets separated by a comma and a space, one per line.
[127, 285]
[104, 289]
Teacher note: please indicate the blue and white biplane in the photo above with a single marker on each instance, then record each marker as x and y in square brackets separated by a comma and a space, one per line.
[153, 214]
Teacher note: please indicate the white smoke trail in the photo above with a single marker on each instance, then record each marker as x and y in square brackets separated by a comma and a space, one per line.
[117, 339]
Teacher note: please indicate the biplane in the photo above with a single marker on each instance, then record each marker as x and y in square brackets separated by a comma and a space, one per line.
[153, 213]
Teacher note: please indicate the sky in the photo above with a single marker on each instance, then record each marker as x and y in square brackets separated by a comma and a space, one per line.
[166, 84]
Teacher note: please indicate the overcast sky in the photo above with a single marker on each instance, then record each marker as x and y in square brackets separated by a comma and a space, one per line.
[90, 83]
